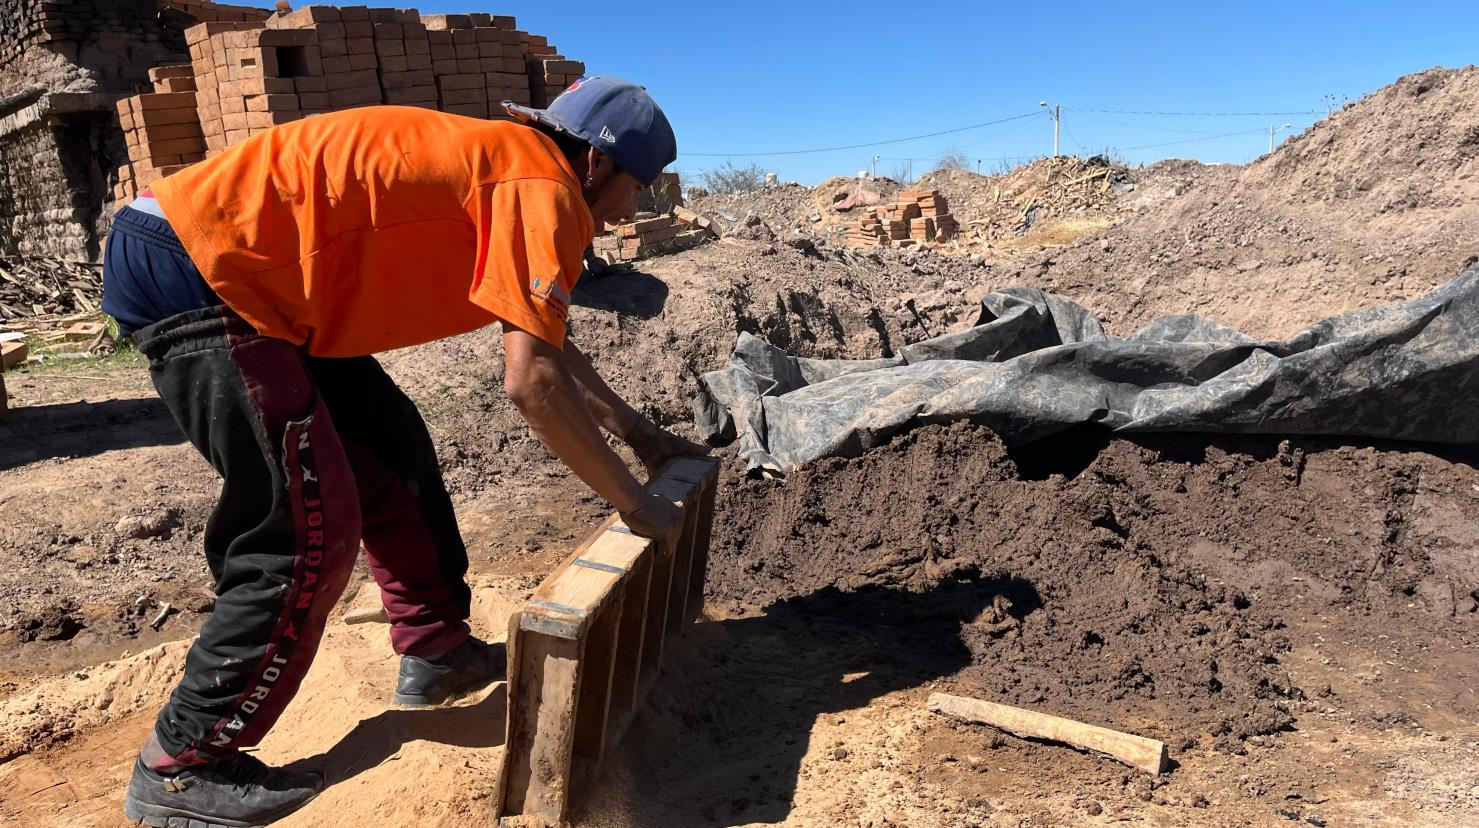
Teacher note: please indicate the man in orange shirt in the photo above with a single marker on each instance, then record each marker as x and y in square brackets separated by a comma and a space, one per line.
[259, 283]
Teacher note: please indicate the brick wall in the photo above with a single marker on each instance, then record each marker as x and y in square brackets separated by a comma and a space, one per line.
[63, 64]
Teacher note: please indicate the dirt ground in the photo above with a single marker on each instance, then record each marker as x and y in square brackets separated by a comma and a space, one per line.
[1298, 619]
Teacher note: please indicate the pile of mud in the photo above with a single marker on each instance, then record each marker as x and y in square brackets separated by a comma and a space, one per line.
[1155, 583]
[1376, 204]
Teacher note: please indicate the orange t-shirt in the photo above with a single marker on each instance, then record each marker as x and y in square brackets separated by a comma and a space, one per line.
[376, 228]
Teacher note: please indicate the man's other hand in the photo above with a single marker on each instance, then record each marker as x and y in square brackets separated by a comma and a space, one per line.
[655, 446]
[657, 518]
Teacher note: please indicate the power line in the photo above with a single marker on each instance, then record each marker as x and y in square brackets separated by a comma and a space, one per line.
[1191, 140]
[1141, 126]
[860, 146]
[1201, 114]
[993, 136]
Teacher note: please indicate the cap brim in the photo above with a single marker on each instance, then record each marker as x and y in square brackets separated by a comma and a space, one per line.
[543, 116]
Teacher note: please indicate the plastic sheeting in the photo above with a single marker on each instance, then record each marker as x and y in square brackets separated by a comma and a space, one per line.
[1035, 364]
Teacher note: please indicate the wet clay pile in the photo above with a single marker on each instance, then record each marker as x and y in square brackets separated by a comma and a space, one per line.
[1146, 583]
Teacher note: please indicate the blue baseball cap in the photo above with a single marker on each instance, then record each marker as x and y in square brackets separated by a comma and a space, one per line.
[616, 117]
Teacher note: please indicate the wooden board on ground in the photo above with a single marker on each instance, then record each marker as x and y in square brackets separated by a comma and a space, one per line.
[587, 646]
[1148, 755]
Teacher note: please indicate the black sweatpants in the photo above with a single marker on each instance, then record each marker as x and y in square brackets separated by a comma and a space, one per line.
[314, 455]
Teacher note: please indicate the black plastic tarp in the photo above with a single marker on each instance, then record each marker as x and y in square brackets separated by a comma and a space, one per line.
[1035, 364]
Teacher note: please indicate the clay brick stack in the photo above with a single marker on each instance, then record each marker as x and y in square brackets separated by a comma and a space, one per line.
[479, 62]
[651, 237]
[162, 130]
[548, 77]
[251, 75]
[404, 54]
[918, 217]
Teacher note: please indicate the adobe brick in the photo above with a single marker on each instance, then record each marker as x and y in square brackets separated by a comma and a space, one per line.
[354, 14]
[176, 146]
[308, 16]
[410, 95]
[389, 31]
[233, 121]
[356, 96]
[272, 103]
[361, 45]
[442, 22]
[360, 63]
[390, 48]
[165, 100]
[468, 81]
[337, 65]
[393, 63]
[313, 84]
[313, 100]
[418, 63]
[298, 37]
[364, 78]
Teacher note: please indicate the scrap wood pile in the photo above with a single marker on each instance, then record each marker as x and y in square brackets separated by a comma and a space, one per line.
[918, 217]
[34, 287]
[650, 235]
[1049, 189]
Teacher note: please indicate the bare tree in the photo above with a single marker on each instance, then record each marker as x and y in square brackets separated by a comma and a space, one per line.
[952, 160]
[731, 179]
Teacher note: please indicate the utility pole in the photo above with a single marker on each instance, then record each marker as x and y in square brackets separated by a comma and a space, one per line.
[1272, 130]
[1056, 113]
[874, 166]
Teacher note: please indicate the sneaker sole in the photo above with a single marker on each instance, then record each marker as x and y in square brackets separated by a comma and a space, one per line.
[162, 816]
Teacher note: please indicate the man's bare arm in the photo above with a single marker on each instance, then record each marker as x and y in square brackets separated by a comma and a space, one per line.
[652, 445]
[608, 408]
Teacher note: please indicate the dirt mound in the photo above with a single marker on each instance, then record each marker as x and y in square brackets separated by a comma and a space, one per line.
[1378, 203]
[1147, 583]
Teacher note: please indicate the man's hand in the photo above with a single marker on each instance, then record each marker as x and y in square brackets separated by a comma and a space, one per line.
[655, 446]
[657, 518]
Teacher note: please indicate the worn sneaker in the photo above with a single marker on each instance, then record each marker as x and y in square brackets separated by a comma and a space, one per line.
[471, 665]
[239, 792]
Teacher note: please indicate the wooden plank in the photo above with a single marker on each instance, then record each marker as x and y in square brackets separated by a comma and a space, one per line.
[544, 682]
[627, 674]
[13, 353]
[699, 572]
[594, 704]
[683, 568]
[1148, 755]
[656, 627]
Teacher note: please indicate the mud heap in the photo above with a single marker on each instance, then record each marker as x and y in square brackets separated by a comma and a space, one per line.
[1378, 203]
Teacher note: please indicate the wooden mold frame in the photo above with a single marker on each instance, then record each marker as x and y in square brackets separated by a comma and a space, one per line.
[586, 647]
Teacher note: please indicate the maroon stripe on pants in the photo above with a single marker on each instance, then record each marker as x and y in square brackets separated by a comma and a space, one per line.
[324, 502]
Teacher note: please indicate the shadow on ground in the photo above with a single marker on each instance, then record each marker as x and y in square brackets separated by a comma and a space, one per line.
[377, 739]
[725, 733]
[630, 293]
[83, 429]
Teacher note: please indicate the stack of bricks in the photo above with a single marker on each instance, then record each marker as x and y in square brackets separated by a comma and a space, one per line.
[548, 77]
[161, 128]
[346, 72]
[204, 11]
[652, 237]
[917, 217]
[403, 50]
[935, 223]
[251, 75]
[479, 62]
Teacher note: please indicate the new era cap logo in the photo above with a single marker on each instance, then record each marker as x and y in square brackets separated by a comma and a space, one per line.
[607, 136]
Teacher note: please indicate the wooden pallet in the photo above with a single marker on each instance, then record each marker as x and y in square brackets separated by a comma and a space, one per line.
[587, 646]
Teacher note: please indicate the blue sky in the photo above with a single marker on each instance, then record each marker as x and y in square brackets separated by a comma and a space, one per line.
[761, 76]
